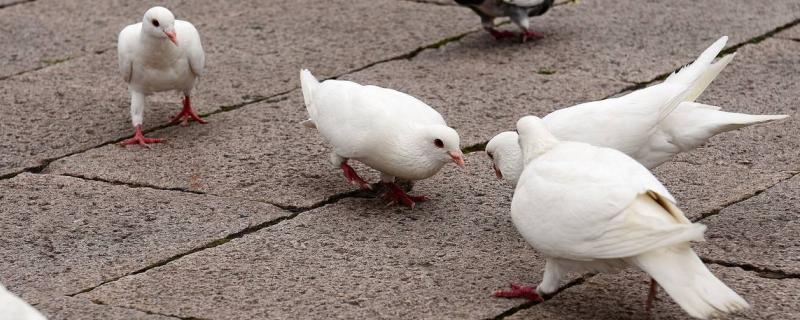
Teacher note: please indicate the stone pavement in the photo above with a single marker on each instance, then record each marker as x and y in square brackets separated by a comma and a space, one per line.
[243, 218]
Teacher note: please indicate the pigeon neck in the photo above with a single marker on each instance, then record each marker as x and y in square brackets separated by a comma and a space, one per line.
[536, 143]
[156, 47]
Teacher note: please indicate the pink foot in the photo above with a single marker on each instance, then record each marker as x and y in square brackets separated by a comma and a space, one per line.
[138, 138]
[186, 114]
[353, 178]
[500, 34]
[518, 291]
[396, 195]
[531, 35]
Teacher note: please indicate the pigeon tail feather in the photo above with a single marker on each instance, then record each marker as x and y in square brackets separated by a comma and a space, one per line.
[688, 281]
[700, 73]
[309, 84]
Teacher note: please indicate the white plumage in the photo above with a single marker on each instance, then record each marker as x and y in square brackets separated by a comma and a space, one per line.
[390, 131]
[651, 125]
[159, 54]
[589, 208]
[14, 308]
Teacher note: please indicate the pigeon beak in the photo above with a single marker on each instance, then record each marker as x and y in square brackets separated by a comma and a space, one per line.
[497, 172]
[457, 157]
[172, 37]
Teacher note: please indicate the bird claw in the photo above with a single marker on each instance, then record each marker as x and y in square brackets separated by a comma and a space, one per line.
[395, 195]
[187, 114]
[140, 139]
[500, 34]
[531, 35]
[519, 291]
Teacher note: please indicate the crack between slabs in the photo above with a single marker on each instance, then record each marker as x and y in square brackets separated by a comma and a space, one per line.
[54, 63]
[530, 304]
[717, 211]
[100, 303]
[3, 6]
[295, 211]
[762, 272]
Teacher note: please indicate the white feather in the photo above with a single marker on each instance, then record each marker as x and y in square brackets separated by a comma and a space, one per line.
[651, 125]
[592, 208]
[14, 308]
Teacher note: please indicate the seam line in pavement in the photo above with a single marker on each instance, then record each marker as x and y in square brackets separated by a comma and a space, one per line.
[295, 211]
[762, 272]
[100, 303]
[54, 62]
[717, 211]
[529, 304]
[3, 6]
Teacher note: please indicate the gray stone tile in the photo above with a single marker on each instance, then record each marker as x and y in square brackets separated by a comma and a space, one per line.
[355, 259]
[253, 51]
[67, 308]
[258, 152]
[622, 296]
[791, 33]
[737, 164]
[62, 235]
[761, 231]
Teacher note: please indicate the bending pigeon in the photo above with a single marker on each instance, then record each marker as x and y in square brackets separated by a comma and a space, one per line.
[14, 308]
[519, 11]
[387, 130]
[651, 125]
[594, 209]
[159, 54]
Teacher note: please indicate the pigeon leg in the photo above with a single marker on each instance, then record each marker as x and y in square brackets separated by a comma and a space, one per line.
[186, 114]
[353, 178]
[519, 291]
[397, 195]
[648, 304]
[138, 138]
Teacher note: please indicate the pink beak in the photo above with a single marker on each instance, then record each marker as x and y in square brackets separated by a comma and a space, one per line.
[497, 172]
[458, 158]
[172, 37]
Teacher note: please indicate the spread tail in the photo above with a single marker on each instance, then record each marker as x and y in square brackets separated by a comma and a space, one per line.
[688, 281]
[309, 84]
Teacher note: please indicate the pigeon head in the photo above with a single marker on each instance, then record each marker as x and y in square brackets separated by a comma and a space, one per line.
[506, 156]
[159, 22]
[534, 138]
[440, 143]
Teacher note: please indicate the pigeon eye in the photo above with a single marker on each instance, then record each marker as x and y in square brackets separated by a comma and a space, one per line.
[438, 143]
[155, 22]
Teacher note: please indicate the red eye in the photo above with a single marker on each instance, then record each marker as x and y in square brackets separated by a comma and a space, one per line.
[155, 22]
[438, 143]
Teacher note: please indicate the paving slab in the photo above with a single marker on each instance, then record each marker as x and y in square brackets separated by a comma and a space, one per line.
[68, 308]
[253, 51]
[355, 259]
[622, 295]
[63, 234]
[257, 152]
[737, 164]
[761, 231]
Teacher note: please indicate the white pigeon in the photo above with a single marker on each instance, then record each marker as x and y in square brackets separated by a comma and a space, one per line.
[592, 209]
[14, 308]
[387, 130]
[651, 125]
[159, 54]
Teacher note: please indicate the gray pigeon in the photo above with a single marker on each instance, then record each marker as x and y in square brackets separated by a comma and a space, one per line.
[518, 10]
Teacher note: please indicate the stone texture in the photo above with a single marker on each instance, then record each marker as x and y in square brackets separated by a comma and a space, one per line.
[355, 259]
[62, 235]
[252, 51]
[67, 308]
[258, 152]
[737, 164]
[761, 231]
[791, 33]
[621, 296]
